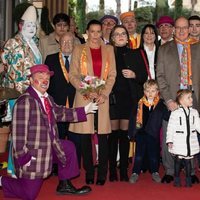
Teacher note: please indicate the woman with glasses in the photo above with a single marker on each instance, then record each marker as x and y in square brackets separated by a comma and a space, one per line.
[123, 100]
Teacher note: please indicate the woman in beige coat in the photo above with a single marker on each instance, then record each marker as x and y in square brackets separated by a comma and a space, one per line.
[94, 59]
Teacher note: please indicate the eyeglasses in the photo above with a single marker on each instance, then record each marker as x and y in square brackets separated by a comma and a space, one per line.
[66, 42]
[109, 23]
[120, 34]
[179, 28]
[165, 26]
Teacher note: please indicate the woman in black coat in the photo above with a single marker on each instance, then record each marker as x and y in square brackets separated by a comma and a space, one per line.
[148, 49]
[127, 90]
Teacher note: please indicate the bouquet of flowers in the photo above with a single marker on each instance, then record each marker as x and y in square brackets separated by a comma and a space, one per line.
[91, 84]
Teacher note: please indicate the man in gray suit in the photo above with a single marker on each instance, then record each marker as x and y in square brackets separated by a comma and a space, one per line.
[170, 65]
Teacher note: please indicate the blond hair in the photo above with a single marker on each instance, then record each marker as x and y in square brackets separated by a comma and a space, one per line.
[150, 83]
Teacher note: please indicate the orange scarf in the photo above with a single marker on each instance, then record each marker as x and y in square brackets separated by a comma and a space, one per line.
[144, 101]
[135, 41]
[65, 73]
[188, 49]
[84, 69]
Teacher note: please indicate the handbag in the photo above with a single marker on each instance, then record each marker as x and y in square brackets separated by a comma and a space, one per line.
[112, 98]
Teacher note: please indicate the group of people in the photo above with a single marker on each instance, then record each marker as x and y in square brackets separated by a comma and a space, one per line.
[150, 85]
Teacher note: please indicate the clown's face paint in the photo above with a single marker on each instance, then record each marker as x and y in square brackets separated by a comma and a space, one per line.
[28, 29]
[40, 81]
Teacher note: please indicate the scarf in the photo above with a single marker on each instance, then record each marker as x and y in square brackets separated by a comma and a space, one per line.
[84, 69]
[144, 101]
[186, 68]
[135, 41]
[65, 73]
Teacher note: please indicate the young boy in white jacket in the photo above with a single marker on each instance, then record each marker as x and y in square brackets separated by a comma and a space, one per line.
[182, 135]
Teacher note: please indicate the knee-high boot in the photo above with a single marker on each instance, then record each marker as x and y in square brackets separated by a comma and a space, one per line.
[103, 158]
[123, 151]
[112, 149]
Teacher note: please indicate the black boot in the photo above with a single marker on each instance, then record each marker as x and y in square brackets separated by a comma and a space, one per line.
[112, 155]
[66, 187]
[124, 151]
[103, 159]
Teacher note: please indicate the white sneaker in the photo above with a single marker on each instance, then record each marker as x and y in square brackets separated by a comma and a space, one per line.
[134, 177]
[156, 177]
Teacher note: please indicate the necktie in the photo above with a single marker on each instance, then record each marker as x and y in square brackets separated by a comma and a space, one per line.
[67, 63]
[184, 68]
[48, 108]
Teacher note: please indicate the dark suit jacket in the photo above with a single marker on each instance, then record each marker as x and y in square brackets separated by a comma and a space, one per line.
[59, 88]
[154, 121]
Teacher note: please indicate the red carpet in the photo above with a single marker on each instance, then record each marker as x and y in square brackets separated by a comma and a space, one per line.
[144, 189]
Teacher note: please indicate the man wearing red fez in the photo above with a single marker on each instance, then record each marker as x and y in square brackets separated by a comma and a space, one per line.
[165, 27]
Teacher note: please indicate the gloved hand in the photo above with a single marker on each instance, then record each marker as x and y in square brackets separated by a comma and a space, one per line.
[91, 108]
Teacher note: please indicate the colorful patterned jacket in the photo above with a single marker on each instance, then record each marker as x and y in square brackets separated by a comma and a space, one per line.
[17, 58]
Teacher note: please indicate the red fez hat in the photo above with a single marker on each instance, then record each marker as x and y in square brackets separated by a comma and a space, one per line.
[40, 68]
[165, 20]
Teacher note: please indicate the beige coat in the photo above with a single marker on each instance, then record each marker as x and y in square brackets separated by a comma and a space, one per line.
[169, 71]
[48, 45]
[74, 77]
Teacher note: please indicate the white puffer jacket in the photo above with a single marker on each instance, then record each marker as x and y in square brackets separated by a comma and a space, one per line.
[183, 134]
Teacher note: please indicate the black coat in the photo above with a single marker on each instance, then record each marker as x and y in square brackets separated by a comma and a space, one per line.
[134, 61]
[59, 88]
[153, 124]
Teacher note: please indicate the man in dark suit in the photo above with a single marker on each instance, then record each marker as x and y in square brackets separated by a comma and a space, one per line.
[60, 88]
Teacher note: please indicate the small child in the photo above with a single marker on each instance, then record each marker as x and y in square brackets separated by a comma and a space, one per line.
[151, 112]
[182, 135]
